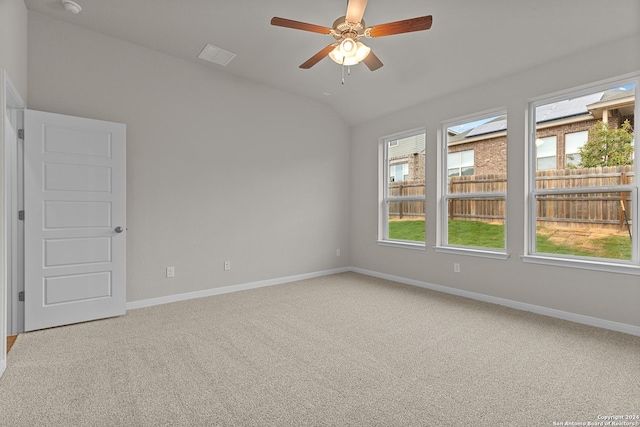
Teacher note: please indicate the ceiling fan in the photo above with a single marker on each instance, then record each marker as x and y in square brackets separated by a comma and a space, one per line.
[347, 30]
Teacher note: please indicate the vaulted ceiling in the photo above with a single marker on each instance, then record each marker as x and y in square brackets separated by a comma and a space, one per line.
[470, 42]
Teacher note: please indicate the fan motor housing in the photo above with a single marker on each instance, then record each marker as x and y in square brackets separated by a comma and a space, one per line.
[343, 28]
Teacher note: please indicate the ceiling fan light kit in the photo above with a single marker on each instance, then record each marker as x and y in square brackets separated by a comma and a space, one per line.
[349, 52]
[348, 29]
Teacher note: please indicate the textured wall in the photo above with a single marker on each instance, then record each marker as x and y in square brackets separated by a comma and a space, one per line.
[218, 168]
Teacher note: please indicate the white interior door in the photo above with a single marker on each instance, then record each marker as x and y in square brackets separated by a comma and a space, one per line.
[74, 219]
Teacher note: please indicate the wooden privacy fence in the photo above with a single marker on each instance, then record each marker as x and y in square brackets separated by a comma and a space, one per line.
[597, 210]
[487, 209]
[594, 210]
[406, 209]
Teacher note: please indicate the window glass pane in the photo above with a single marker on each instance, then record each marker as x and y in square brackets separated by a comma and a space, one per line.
[466, 171]
[453, 160]
[398, 172]
[572, 160]
[467, 158]
[476, 183]
[476, 234]
[588, 225]
[574, 140]
[546, 163]
[572, 143]
[596, 131]
[406, 220]
[404, 192]
[546, 147]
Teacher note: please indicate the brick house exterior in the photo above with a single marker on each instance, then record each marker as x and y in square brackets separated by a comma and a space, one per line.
[490, 148]
[490, 153]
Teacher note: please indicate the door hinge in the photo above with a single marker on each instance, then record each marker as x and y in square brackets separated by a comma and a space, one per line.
[21, 215]
[20, 133]
[21, 296]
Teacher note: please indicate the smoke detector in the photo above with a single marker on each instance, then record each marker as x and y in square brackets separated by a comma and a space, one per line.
[71, 6]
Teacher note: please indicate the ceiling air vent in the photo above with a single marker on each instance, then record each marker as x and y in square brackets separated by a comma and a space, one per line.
[216, 55]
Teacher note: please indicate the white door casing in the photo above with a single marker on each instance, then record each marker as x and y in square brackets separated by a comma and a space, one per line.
[74, 219]
[11, 107]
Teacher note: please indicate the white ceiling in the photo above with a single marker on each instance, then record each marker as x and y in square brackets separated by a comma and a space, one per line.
[470, 42]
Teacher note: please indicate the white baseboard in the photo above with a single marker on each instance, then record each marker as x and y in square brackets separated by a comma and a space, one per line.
[545, 311]
[573, 317]
[3, 366]
[234, 288]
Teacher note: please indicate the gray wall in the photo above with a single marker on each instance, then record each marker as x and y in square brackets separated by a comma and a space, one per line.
[13, 59]
[13, 42]
[607, 296]
[218, 168]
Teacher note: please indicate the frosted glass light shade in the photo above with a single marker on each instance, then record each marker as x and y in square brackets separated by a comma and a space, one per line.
[354, 56]
[362, 51]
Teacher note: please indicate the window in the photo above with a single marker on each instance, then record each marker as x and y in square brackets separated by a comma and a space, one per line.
[399, 172]
[572, 143]
[583, 214]
[403, 199]
[546, 153]
[460, 163]
[474, 157]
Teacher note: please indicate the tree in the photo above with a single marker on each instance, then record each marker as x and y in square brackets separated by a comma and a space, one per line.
[607, 147]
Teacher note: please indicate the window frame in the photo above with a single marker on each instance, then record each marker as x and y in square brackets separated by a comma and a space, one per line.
[442, 245]
[383, 189]
[576, 261]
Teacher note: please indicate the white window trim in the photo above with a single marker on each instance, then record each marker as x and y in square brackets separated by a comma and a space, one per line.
[580, 262]
[383, 173]
[469, 250]
[402, 244]
[442, 245]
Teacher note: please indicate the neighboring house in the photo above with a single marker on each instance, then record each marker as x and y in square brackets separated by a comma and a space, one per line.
[406, 159]
[562, 128]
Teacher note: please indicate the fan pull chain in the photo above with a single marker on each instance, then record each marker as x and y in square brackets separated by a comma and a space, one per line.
[348, 70]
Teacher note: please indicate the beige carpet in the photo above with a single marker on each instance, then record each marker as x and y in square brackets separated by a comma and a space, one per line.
[343, 350]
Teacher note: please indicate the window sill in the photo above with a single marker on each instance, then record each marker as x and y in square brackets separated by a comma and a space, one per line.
[403, 245]
[472, 252]
[584, 264]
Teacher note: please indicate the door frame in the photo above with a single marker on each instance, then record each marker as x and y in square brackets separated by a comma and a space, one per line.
[12, 114]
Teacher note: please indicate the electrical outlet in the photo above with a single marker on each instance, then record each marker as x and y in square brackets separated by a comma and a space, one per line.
[456, 267]
[337, 252]
[227, 265]
[171, 272]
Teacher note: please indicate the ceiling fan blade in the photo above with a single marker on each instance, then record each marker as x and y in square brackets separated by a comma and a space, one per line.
[297, 25]
[399, 27]
[355, 10]
[318, 57]
[372, 61]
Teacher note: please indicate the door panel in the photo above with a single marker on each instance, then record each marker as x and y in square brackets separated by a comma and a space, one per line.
[74, 190]
[77, 214]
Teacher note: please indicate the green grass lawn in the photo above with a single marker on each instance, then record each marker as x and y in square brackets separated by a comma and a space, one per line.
[491, 236]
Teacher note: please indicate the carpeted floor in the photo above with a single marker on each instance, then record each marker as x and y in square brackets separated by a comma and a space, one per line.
[342, 350]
